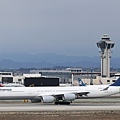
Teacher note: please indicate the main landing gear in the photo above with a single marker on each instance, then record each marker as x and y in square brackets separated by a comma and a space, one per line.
[62, 103]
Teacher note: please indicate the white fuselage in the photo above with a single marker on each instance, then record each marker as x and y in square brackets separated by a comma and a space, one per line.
[13, 93]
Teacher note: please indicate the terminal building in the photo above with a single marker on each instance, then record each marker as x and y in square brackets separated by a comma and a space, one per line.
[28, 79]
[6, 77]
[70, 75]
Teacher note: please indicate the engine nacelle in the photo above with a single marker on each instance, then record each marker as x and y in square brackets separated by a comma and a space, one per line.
[69, 97]
[36, 99]
[48, 99]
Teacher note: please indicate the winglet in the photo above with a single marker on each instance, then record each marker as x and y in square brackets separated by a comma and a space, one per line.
[116, 83]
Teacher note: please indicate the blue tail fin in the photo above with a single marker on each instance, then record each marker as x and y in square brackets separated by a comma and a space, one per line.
[116, 83]
[81, 82]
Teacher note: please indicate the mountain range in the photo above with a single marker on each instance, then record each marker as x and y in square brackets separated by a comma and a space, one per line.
[48, 60]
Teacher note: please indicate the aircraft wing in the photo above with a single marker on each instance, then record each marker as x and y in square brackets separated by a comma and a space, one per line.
[83, 93]
[62, 93]
[50, 97]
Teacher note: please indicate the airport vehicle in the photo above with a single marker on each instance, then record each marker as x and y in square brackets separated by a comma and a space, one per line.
[58, 95]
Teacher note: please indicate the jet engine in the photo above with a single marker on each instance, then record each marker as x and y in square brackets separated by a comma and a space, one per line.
[48, 99]
[69, 97]
[36, 99]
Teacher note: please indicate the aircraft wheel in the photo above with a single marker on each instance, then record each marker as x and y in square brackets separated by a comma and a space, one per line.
[56, 103]
[62, 103]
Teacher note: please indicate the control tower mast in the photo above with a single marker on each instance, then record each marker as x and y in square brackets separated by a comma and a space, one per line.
[105, 46]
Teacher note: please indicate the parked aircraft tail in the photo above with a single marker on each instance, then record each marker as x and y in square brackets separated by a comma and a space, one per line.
[116, 83]
[81, 83]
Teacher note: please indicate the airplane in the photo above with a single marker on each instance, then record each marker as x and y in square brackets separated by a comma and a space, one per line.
[11, 85]
[59, 95]
[81, 83]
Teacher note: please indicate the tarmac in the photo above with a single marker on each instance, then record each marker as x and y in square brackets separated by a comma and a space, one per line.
[81, 109]
[78, 105]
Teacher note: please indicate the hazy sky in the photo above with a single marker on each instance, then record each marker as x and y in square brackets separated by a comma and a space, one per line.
[69, 27]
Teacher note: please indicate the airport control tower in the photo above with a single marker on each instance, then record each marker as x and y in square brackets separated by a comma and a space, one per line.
[105, 46]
